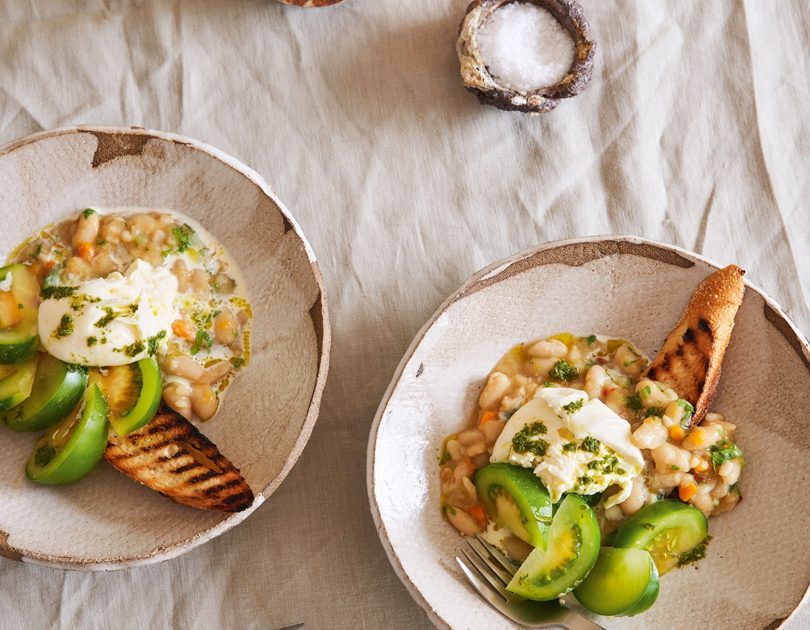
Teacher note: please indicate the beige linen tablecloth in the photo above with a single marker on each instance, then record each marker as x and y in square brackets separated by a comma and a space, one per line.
[695, 130]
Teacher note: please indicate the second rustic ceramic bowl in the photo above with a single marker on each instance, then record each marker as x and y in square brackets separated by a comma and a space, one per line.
[758, 563]
[107, 521]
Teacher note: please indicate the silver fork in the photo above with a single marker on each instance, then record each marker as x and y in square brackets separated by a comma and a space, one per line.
[489, 571]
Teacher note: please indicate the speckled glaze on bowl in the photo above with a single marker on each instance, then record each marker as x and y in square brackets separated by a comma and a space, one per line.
[107, 521]
[757, 568]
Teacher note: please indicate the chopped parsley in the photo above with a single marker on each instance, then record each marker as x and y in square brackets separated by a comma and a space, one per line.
[590, 444]
[610, 466]
[87, 213]
[202, 340]
[237, 362]
[724, 451]
[182, 235]
[693, 555]
[133, 349]
[56, 292]
[575, 406]
[563, 371]
[688, 411]
[594, 464]
[92, 341]
[107, 318]
[654, 411]
[590, 340]
[633, 403]
[65, 327]
[527, 440]
[153, 342]
[569, 447]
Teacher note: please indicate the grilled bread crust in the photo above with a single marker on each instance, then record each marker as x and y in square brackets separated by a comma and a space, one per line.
[171, 456]
[692, 355]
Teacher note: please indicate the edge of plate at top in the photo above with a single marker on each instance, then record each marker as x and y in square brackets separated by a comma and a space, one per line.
[115, 142]
[570, 252]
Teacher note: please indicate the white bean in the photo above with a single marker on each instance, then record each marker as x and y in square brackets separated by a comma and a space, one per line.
[86, 229]
[595, 380]
[497, 385]
[199, 280]
[702, 437]
[216, 372]
[226, 328]
[730, 471]
[654, 394]
[470, 437]
[651, 434]
[203, 401]
[176, 395]
[180, 271]
[637, 498]
[548, 348]
[185, 366]
[669, 458]
[492, 430]
[462, 521]
[628, 361]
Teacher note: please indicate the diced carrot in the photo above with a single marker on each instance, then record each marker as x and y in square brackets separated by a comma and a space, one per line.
[10, 312]
[478, 513]
[487, 416]
[49, 265]
[687, 491]
[676, 433]
[702, 466]
[85, 251]
[181, 328]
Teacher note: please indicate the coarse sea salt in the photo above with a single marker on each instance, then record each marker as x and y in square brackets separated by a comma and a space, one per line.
[524, 47]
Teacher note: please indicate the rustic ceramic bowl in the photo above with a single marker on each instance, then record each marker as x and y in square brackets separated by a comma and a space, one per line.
[107, 521]
[758, 563]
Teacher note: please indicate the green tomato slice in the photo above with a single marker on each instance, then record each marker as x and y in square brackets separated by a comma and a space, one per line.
[573, 547]
[673, 532]
[515, 499]
[19, 335]
[622, 582]
[133, 393]
[72, 448]
[57, 389]
[16, 382]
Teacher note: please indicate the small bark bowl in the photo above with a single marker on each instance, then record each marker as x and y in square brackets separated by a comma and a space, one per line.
[478, 80]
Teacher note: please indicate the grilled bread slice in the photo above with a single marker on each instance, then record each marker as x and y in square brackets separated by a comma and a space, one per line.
[692, 354]
[171, 456]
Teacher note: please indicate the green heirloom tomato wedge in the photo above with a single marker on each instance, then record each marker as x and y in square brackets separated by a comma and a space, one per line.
[72, 448]
[573, 546]
[19, 336]
[622, 582]
[133, 393]
[16, 382]
[673, 532]
[516, 500]
[56, 391]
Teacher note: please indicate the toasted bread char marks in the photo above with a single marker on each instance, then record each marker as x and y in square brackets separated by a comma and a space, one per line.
[171, 456]
[692, 355]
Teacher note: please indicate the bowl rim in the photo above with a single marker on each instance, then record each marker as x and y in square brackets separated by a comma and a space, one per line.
[799, 343]
[320, 320]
